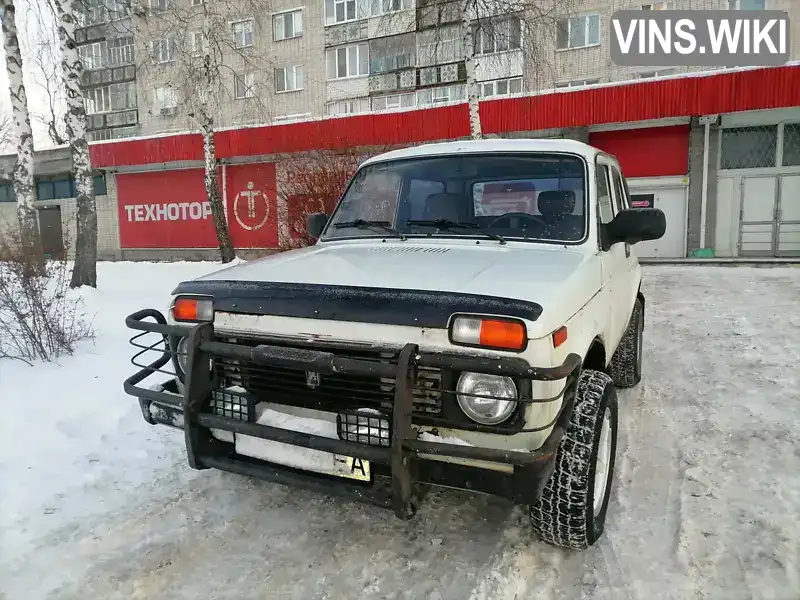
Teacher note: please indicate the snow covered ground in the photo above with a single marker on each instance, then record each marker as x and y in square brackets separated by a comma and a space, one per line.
[95, 503]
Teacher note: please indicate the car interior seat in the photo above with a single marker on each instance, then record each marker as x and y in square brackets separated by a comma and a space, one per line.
[556, 208]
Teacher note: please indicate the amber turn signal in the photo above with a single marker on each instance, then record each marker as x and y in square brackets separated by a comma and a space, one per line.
[485, 332]
[192, 309]
[559, 336]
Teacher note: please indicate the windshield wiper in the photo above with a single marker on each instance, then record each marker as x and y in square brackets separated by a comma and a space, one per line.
[447, 225]
[362, 224]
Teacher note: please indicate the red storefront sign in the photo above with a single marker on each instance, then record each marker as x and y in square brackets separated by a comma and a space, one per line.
[170, 209]
[164, 209]
[252, 209]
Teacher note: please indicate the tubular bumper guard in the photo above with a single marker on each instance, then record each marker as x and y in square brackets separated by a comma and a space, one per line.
[409, 473]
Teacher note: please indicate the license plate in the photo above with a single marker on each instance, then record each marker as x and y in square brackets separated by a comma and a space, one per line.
[351, 468]
[304, 458]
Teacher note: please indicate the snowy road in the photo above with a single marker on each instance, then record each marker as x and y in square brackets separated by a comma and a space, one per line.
[97, 504]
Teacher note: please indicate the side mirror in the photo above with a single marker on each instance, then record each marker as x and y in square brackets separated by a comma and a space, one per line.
[315, 223]
[634, 225]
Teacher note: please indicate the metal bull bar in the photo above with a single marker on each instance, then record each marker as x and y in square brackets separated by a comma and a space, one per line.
[401, 456]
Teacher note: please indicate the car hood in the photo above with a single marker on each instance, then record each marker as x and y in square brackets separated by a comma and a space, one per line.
[556, 277]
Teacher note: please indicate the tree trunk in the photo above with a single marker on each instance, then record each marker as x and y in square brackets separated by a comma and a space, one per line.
[23, 169]
[468, 38]
[84, 272]
[212, 191]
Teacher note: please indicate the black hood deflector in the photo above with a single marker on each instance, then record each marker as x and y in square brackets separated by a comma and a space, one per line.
[388, 306]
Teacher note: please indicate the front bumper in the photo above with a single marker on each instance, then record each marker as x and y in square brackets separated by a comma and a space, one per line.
[406, 466]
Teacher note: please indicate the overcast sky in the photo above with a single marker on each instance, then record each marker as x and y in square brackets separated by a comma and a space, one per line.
[30, 31]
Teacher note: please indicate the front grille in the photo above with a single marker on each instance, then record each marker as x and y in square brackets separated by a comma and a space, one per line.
[329, 392]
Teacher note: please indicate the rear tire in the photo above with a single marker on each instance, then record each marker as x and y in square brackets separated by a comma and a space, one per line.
[626, 363]
[571, 512]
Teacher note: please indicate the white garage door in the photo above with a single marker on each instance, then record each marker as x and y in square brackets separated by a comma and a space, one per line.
[673, 202]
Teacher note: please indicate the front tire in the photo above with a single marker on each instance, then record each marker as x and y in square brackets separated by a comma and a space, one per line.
[626, 363]
[571, 512]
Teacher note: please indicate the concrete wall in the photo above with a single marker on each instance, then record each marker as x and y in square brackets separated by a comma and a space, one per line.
[696, 154]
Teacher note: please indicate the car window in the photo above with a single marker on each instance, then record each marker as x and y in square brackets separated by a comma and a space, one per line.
[619, 191]
[474, 192]
[605, 206]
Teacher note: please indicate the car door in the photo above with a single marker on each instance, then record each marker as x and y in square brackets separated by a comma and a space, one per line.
[614, 261]
[632, 271]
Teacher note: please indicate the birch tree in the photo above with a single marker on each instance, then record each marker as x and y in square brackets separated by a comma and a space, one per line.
[84, 271]
[23, 169]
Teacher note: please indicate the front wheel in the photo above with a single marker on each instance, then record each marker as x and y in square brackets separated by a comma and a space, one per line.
[571, 512]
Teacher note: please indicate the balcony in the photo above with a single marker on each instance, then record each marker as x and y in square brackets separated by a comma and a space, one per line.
[112, 119]
[108, 75]
[390, 82]
[345, 33]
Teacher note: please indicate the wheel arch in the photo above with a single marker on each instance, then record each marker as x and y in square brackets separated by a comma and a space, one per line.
[595, 357]
[640, 297]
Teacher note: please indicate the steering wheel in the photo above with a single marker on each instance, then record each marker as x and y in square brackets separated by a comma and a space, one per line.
[520, 215]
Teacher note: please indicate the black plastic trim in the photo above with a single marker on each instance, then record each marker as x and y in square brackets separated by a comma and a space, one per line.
[388, 306]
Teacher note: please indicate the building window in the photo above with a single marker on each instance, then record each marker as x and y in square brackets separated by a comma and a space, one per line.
[439, 95]
[7, 192]
[747, 4]
[243, 85]
[348, 61]
[392, 53]
[578, 32]
[498, 36]
[577, 83]
[288, 25]
[97, 100]
[197, 43]
[394, 101]
[659, 6]
[659, 73]
[157, 6]
[107, 98]
[120, 51]
[289, 79]
[791, 145]
[749, 147]
[352, 106]
[339, 11]
[163, 50]
[385, 7]
[164, 97]
[57, 187]
[501, 87]
[112, 53]
[242, 33]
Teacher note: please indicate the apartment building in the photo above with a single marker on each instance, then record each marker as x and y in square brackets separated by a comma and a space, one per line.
[292, 60]
[719, 153]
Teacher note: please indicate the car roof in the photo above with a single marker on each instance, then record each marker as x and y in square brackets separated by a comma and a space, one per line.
[483, 146]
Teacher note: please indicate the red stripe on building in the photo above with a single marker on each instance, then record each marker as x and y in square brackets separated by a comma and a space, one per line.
[681, 97]
[174, 148]
[649, 151]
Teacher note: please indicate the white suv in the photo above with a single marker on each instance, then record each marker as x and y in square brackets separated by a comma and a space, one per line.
[462, 321]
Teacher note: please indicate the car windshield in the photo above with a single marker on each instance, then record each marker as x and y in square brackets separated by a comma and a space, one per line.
[533, 196]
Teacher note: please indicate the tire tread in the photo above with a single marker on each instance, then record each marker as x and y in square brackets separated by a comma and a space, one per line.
[559, 517]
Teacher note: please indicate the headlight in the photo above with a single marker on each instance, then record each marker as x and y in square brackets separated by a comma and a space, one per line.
[181, 353]
[486, 411]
